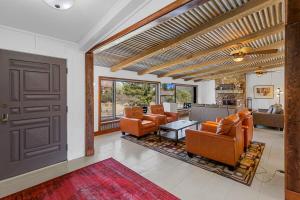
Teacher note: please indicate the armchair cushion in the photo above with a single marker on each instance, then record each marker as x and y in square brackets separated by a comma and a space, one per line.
[147, 124]
[134, 112]
[157, 109]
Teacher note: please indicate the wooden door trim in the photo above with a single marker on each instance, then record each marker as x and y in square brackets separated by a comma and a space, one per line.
[89, 104]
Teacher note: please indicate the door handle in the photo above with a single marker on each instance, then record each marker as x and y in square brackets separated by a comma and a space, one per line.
[4, 118]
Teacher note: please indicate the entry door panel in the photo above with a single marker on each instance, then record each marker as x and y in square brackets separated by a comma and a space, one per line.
[33, 116]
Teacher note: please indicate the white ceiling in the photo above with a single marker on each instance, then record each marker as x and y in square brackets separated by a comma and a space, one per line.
[36, 16]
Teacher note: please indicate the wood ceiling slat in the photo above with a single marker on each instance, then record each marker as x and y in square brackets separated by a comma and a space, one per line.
[243, 71]
[206, 12]
[274, 14]
[215, 49]
[280, 8]
[233, 31]
[198, 73]
[217, 61]
[236, 13]
[220, 6]
[255, 21]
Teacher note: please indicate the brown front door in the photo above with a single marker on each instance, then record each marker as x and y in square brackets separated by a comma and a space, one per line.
[33, 118]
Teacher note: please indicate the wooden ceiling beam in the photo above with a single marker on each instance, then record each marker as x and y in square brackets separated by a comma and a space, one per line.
[245, 10]
[231, 44]
[238, 64]
[215, 61]
[242, 71]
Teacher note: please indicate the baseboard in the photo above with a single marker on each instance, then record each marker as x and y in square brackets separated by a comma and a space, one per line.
[290, 195]
[106, 131]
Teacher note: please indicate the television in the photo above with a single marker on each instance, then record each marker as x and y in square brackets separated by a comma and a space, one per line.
[167, 89]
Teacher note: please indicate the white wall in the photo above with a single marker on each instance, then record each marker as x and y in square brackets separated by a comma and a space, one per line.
[206, 92]
[18, 40]
[122, 15]
[104, 71]
[273, 78]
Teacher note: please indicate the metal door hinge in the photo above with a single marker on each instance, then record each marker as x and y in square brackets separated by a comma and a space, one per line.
[67, 70]
[67, 109]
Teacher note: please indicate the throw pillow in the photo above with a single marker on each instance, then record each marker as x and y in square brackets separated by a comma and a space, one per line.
[277, 109]
[270, 109]
[225, 125]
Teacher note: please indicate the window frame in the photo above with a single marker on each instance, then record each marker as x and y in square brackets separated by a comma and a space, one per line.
[195, 92]
[115, 80]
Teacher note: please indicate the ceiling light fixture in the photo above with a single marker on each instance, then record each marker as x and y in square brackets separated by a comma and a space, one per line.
[60, 4]
[238, 58]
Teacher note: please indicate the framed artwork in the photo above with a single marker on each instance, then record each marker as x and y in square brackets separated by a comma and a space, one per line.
[263, 91]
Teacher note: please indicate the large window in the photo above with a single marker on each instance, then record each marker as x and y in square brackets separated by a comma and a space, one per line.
[117, 94]
[180, 94]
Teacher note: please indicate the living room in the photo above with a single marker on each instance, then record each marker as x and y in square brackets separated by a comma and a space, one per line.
[185, 99]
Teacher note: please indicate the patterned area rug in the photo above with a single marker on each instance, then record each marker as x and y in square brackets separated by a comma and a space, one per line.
[105, 180]
[244, 173]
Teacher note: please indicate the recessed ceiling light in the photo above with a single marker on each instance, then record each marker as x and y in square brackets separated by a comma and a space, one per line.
[60, 4]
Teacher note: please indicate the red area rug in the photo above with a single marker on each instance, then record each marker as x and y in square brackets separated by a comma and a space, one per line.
[107, 180]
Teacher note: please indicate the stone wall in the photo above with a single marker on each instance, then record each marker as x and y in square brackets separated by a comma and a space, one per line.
[240, 86]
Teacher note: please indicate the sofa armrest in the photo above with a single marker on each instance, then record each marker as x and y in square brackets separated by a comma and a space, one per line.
[130, 125]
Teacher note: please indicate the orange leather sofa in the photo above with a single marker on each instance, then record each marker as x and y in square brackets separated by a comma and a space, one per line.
[223, 142]
[247, 124]
[164, 117]
[136, 123]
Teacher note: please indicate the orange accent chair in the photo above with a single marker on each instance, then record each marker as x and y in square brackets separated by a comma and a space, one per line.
[136, 123]
[223, 142]
[164, 117]
[247, 124]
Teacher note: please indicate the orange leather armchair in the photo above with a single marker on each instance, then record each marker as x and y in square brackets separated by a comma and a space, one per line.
[223, 142]
[165, 117]
[247, 124]
[136, 123]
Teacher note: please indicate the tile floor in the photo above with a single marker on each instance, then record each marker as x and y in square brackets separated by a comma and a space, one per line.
[184, 180]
